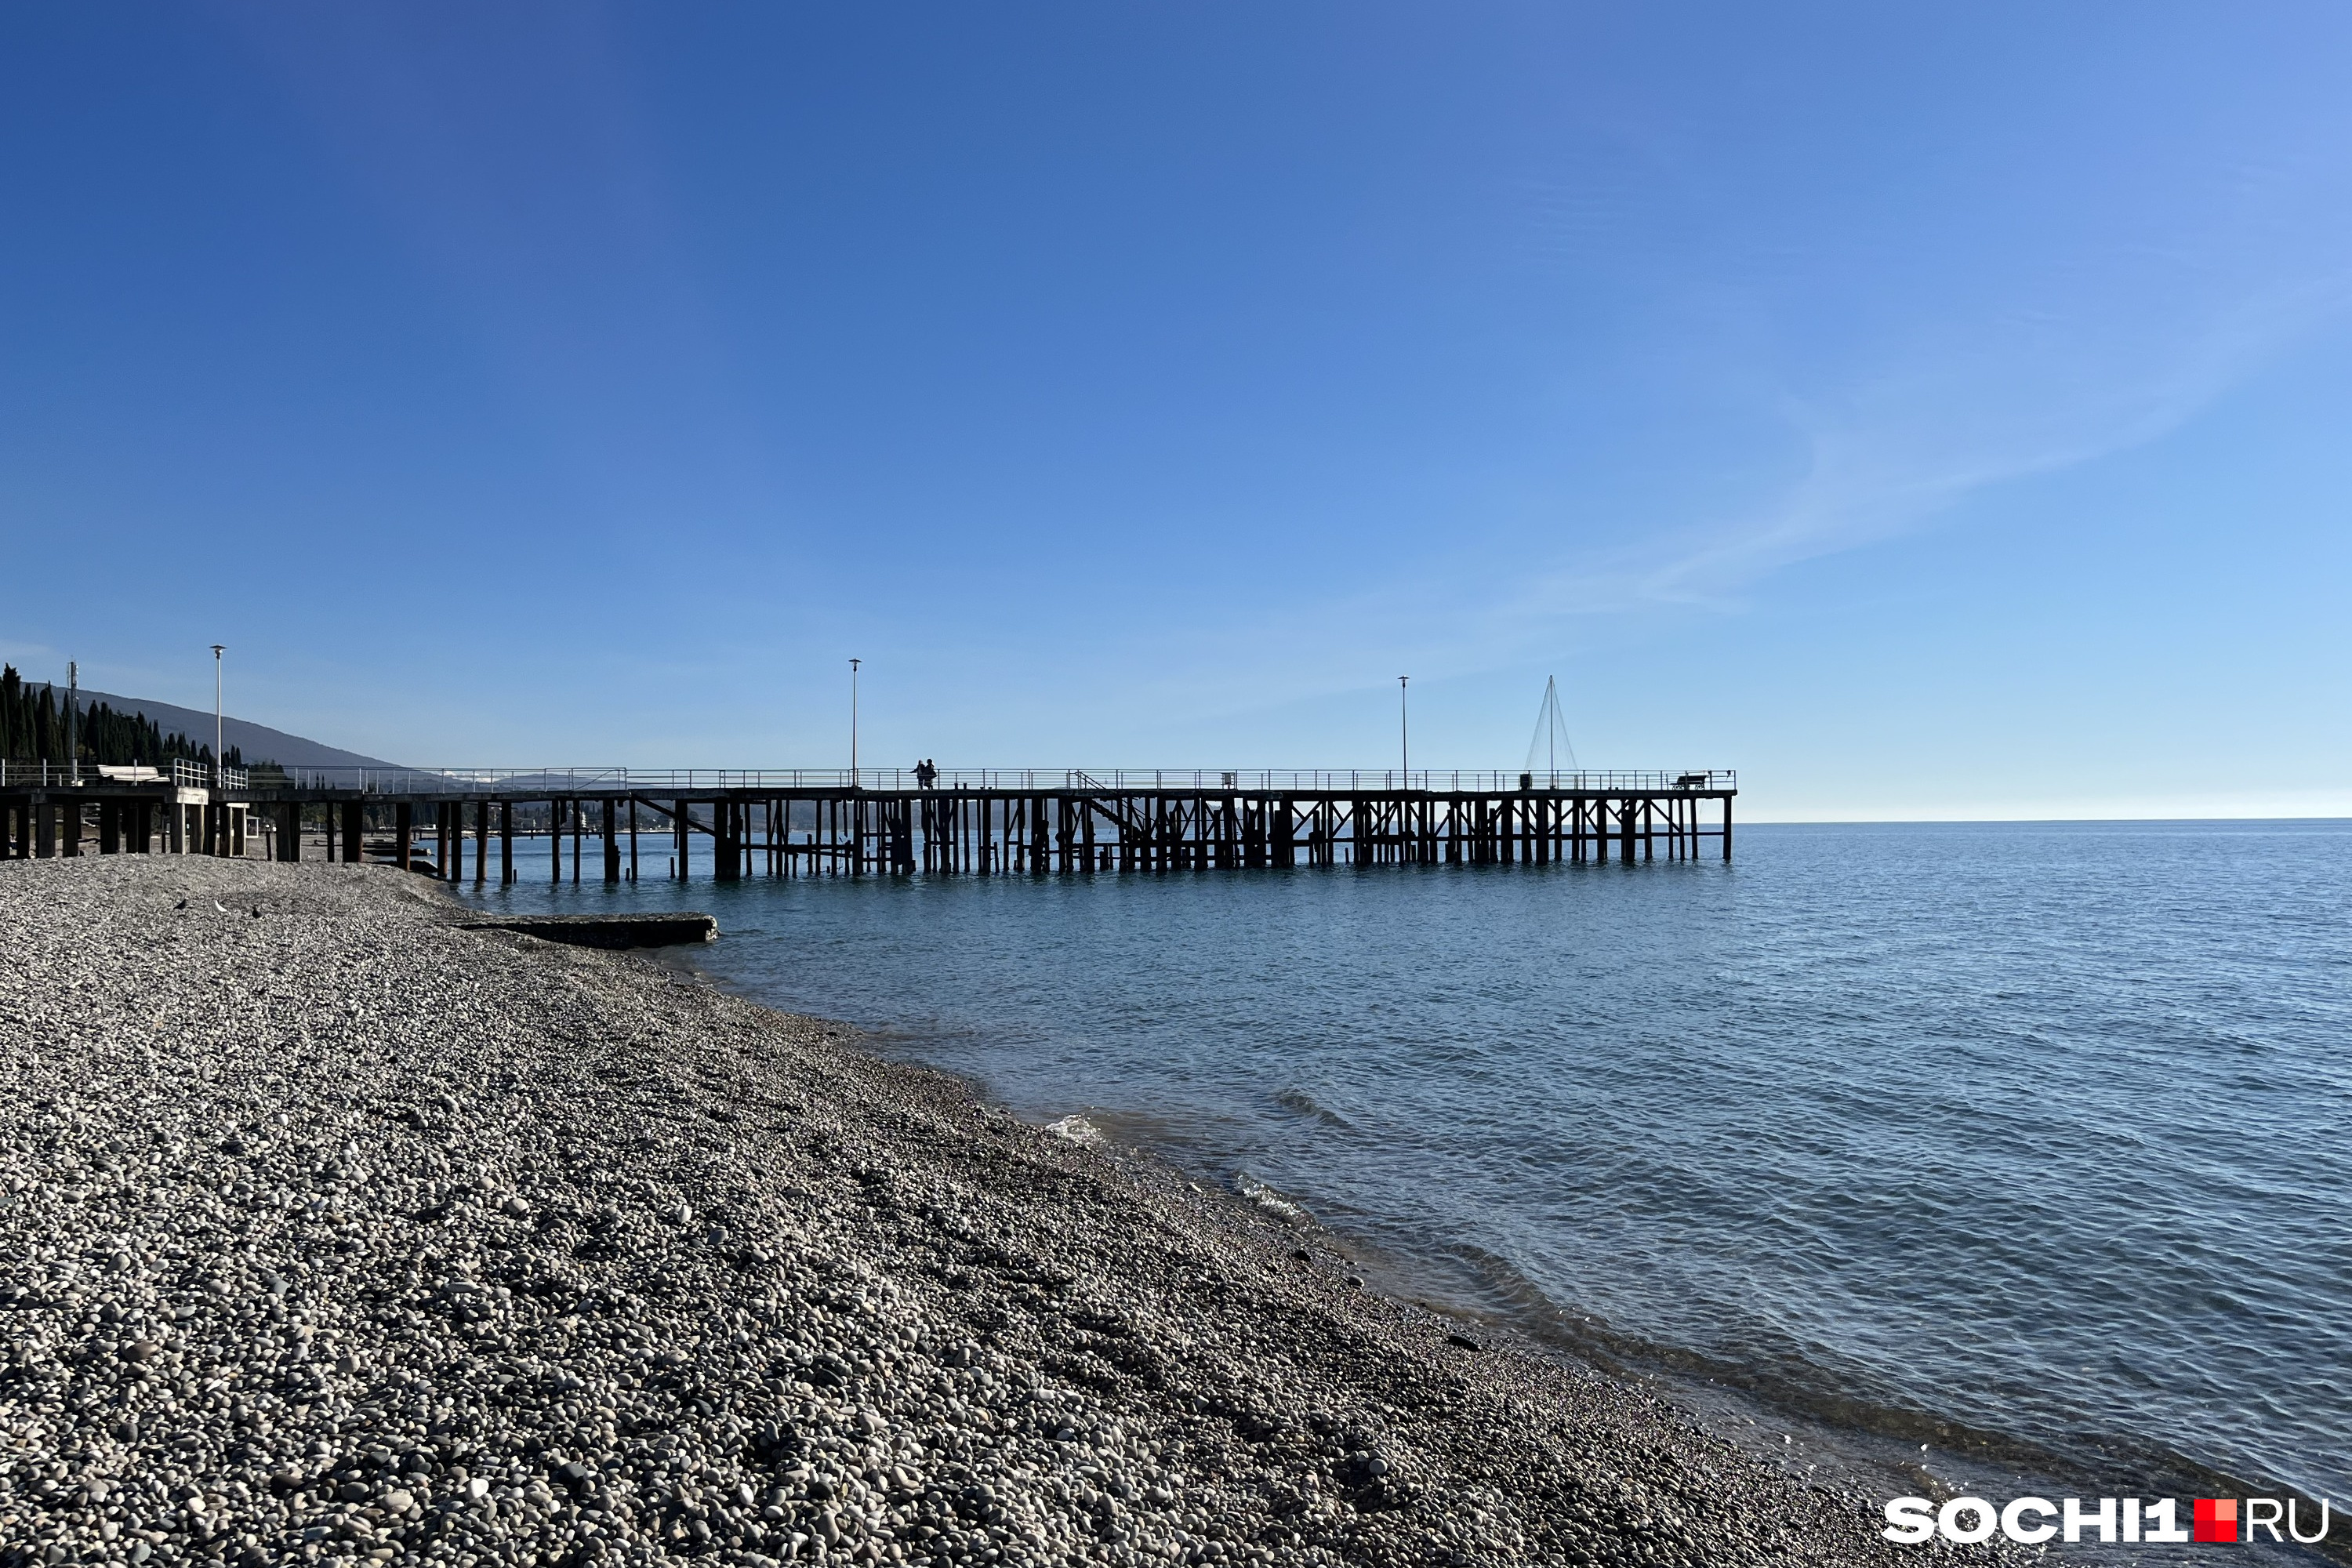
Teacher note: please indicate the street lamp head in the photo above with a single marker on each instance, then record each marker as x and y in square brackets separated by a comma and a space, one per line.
[219, 649]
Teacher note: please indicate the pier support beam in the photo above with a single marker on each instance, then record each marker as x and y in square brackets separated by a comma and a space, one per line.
[977, 832]
[726, 863]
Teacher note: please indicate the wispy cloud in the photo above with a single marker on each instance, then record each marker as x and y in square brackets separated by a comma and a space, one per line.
[1964, 413]
[2025, 397]
[31, 658]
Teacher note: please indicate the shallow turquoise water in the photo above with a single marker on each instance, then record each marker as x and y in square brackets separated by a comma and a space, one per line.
[2037, 1130]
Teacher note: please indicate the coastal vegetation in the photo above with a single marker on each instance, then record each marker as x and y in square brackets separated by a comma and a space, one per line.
[33, 728]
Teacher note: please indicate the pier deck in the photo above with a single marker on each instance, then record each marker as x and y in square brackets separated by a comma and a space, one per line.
[803, 822]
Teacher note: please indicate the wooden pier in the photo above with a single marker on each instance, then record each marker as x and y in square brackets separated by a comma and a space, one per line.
[48, 809]
[458, 825]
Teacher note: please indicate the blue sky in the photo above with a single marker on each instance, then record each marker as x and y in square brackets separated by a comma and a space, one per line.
[1928, 415]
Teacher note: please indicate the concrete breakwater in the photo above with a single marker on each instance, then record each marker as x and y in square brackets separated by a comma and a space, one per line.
[669, 929]
[330, 1229]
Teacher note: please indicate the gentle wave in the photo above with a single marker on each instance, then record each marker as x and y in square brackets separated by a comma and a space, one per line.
[2027, 1142]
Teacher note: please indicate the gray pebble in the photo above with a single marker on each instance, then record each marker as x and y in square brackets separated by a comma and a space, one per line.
[268, 1300]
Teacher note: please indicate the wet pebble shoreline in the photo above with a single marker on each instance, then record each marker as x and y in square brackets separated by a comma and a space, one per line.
[332, 1230]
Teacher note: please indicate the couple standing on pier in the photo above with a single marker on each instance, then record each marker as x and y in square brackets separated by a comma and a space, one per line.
[927, 773]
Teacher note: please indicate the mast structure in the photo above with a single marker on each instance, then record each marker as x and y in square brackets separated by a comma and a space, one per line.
[1550, 738]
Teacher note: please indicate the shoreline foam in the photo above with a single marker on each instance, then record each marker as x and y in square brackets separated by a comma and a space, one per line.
[339, 1231]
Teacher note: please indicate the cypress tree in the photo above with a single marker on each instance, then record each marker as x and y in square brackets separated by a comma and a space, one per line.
[32, 729]
[49, 732]
[12, 714]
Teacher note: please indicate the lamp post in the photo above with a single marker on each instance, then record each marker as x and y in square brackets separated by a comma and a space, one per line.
[1404, 736]
[220, 778]
[73, 721]
[853, 722]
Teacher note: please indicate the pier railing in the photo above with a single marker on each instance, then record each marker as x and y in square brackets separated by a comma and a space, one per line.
[1190, 781]
[185, 774]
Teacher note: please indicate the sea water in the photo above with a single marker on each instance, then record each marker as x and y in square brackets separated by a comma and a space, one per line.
[2003, 1137]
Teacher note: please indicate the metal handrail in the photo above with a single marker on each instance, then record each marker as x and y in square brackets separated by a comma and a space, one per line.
[199, 776]
[185, 774]
[524, 782]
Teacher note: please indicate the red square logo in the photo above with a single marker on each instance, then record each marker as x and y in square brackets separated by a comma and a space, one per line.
[2217, 1519]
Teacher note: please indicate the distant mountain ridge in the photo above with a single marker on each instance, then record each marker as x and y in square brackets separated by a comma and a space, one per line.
[258, 743]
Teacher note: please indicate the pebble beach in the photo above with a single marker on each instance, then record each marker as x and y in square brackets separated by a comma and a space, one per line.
[332, 1229]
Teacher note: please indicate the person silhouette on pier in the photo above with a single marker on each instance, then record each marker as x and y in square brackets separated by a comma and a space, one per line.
[927, 774]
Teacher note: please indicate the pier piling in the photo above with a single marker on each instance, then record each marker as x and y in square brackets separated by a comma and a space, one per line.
[996, 823]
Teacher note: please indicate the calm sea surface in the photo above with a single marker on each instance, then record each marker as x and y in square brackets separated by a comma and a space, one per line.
[2038, 1132]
